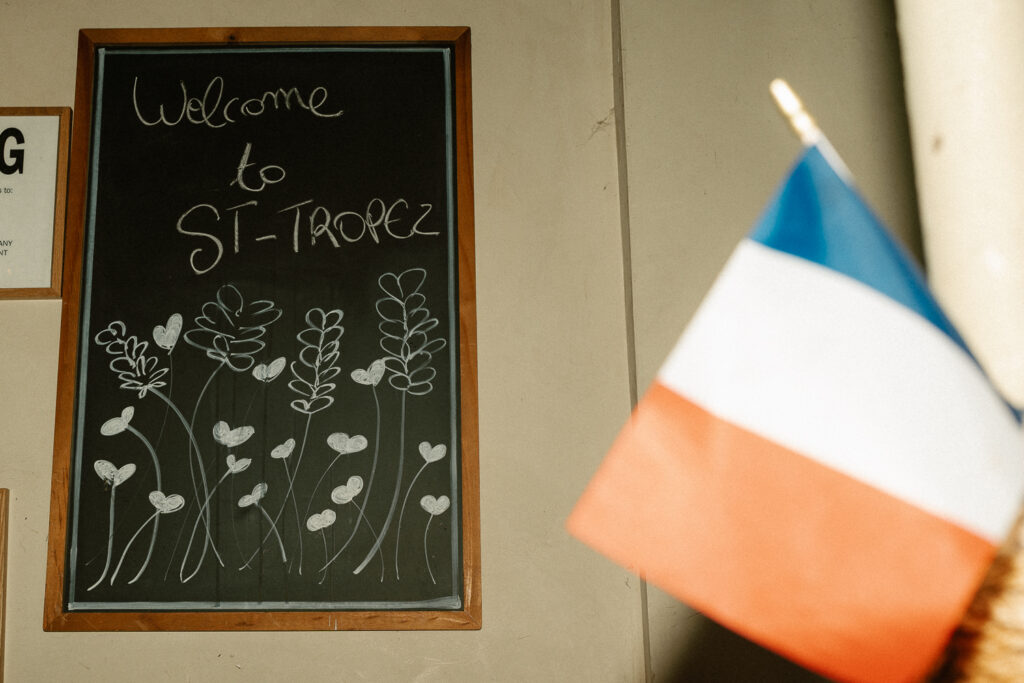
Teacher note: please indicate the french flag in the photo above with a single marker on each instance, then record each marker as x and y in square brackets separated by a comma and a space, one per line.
[820, 465]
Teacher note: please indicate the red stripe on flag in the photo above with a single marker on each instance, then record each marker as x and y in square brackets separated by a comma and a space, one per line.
[822, 568]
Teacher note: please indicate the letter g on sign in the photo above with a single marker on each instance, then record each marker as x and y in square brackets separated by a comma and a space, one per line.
[12, 158]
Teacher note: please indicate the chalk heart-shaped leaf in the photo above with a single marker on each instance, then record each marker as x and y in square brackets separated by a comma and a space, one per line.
[106, 470]
[166, 504]
[370, 376]
[317, 317]
[343, 443]
[116, 425]
[403, 285]
[282, 451]
[433, 453]
[345, 493]
[237, 465]
[255, 497]
[314, 406]
[435, 506]
[226, 436]
[124, 474]
[321, 520]
[167, 336]
[268, 372]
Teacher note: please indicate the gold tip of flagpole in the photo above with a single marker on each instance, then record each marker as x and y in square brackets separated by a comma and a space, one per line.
[793, 109]
[805, 127]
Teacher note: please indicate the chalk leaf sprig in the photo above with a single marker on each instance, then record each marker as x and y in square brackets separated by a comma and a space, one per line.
[404, 327]
[136, 369]
[231, 330]
[318, 359]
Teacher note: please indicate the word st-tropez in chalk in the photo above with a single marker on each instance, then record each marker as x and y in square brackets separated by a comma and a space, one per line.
[207, 110]
[397, 220]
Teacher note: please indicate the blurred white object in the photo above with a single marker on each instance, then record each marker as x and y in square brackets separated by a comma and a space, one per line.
[964, 72]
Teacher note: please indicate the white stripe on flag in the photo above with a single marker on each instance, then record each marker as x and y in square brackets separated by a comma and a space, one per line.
[826, 366]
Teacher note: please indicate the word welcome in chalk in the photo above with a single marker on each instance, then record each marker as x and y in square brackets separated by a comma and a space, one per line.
[208, 110]
[397, 220]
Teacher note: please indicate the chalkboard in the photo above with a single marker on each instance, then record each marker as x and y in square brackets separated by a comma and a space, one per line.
[266, 412]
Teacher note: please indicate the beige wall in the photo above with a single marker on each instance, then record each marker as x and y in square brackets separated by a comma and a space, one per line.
[553, 386]
[704, 150]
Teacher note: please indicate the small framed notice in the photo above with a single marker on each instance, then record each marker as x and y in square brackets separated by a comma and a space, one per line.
[33, 180]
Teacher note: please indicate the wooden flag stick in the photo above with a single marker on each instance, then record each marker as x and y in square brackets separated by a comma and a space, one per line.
[805, 128]
[793, 109]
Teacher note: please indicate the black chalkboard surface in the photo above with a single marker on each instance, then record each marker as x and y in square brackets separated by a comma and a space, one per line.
[267, 393]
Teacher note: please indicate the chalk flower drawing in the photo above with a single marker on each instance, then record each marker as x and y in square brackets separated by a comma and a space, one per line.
[112, 476]
[237, 465]
[234, 466]
[116, 425]
[342, 444]
[233, 331]
[404, 326]
[371, 376]
[268, 372]
[166, 336]
[137, 371]
[347, 492]
[318, 361]
[433, 506]
[226, 436]
[429, 454]
[280, 452]
[343, 495]
[230, 330]
[164, 505]
[253, 499]
[319, 353]
[319, 522]
[405, 322]
[119, 425]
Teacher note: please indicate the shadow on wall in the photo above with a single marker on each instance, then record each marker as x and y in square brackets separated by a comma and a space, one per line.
[714, 654]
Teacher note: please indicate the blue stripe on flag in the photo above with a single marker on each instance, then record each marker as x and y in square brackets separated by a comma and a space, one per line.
[817, 216]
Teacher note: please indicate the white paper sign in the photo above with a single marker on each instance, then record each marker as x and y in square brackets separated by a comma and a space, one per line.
[28, 181]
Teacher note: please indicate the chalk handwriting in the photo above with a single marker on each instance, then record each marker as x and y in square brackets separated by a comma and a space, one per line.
[208, 110]
[310, 223]
[269, 175]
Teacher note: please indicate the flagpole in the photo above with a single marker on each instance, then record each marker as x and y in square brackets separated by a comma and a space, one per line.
[792, 108]
[803, 124]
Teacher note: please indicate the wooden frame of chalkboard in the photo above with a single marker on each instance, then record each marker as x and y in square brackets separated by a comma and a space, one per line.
[33, 190]
[267, 412]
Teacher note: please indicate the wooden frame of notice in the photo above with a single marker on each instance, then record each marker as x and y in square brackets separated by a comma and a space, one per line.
[33, 187]
[70, 603]
[5, 496]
